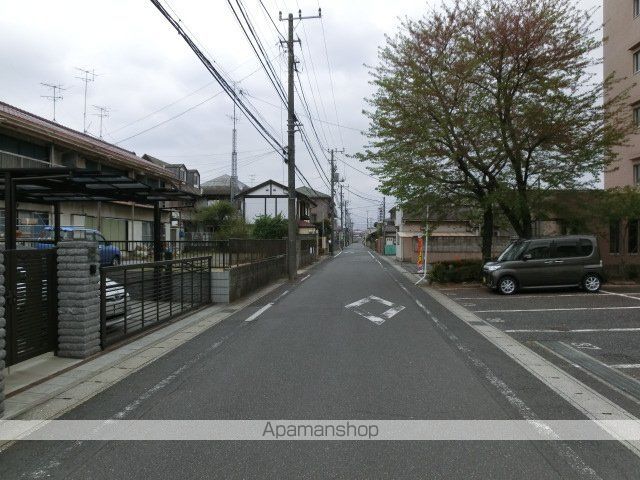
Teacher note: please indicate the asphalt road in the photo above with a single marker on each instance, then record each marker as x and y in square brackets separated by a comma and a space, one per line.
[308, 356]
[604, 325]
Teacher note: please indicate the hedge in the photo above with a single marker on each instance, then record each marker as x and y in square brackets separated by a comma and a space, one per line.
[457, 271]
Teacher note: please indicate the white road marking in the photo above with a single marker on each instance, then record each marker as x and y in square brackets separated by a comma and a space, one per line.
[585, 346]
[378, 320]
[357, 303]
[516, 297]
[572, 458]
[282, 295]
[556, 309]
[259, 312]
[578, 330]
[303, 279]
[381, 300]
[626, 365]
[594, 405]
[625, 295]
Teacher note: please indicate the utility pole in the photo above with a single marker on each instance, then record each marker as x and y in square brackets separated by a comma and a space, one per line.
[55, 96]
[103, 112]
[341, 219]
[334, 179]
[234, 156]
[292, 254]
[89, 76]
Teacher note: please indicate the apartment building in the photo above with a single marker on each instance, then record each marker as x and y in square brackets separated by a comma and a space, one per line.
[622, 58]
[621, 244]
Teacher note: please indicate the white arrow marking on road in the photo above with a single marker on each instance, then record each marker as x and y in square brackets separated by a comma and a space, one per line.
[378, 320]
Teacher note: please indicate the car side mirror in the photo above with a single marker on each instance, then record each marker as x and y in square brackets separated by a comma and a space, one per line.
[526, 256]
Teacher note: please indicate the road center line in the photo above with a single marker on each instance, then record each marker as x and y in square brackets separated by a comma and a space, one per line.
[259, 312]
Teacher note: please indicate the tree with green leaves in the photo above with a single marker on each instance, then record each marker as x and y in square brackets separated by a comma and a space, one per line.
[223, 219]
[267, 226]
[491, 103]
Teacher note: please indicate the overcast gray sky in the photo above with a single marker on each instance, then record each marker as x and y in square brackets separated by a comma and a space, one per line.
[146, 75]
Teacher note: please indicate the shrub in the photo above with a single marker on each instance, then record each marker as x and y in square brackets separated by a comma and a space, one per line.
[267, 226]
[456, 272]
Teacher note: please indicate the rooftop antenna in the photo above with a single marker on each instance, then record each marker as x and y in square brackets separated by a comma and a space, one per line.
[55, 95]
[88, 76]
[103, 112]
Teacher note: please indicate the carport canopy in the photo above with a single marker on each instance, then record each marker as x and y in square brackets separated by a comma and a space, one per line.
[62, 184]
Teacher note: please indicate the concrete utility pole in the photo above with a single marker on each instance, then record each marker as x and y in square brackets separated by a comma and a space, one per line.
[234, 157]
[334, 179]
[55, 95]
[89, 76]
[292, 254]
[341, 218]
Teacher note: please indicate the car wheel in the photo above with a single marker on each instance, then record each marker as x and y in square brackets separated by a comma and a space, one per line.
[507, 285]
[591, 283]
[115, 261]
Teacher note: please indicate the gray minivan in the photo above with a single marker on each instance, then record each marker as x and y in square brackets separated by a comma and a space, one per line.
[567, 261]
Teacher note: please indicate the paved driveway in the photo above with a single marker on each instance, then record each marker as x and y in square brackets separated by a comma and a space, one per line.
[605, 326]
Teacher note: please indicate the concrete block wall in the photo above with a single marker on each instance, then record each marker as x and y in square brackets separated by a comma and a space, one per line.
[230, 285]
[248, 278]
[220, 286]
[3, 330]
[78, 299]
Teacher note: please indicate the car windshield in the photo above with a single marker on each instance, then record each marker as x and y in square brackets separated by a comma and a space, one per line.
[512, 252]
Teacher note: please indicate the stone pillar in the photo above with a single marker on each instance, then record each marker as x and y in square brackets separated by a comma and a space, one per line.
[78, 299]
[3, 330]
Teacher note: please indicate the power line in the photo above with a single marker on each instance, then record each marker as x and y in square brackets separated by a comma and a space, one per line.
[260, 128]
[170, 119]
[258, 49]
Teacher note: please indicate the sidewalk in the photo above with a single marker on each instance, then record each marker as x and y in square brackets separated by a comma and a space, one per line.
[48, 386]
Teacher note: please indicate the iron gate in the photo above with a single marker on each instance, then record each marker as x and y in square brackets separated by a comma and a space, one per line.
[138, 296]
[31, 285]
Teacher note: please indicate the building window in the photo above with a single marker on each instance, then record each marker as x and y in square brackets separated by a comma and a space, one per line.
[632, 236]
[636, 62]
[614, 236]
[636, 114]
[636, 8]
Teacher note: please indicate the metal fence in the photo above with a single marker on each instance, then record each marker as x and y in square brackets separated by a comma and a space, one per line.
[224, 253]
[140, 251]
[138, 296]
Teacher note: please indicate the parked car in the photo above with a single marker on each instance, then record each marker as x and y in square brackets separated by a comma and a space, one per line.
[109, 254]
[115, 302]
[566, 261]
